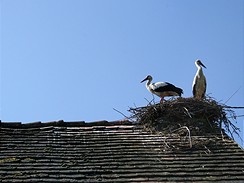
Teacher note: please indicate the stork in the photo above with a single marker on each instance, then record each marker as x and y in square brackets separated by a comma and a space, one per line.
[199, 83]
[162, 89]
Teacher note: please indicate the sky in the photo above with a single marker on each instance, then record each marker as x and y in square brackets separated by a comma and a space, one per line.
[78, 60]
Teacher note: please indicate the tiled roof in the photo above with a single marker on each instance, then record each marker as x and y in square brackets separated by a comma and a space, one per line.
[113, 152]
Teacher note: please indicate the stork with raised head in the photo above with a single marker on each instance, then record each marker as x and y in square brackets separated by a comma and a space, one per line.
[199, 83]
[162, 89]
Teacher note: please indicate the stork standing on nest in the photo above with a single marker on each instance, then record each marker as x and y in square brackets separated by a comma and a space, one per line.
[199, 83]
[162, 89]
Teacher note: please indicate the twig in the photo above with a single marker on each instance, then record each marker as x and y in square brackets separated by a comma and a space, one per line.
[149, 102]
[189, 133]
[233, 94]
[187, 112]
[121, 113]
[207, 149]
[230, 107]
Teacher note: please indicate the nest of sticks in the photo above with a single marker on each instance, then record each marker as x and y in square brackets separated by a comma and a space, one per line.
[200, 117]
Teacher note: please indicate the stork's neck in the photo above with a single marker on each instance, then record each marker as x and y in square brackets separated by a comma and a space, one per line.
[199, 69]
[148, 83]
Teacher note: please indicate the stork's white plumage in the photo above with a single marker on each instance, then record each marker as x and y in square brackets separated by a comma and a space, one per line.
[199, 83]
[162, 89]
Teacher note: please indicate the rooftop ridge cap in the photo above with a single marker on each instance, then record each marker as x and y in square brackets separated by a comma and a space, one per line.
[62, 123]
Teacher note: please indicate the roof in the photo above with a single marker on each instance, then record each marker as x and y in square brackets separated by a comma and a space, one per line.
[118, 151]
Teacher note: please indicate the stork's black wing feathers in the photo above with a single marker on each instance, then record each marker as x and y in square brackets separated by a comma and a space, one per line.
[169, 87]
[194, 90]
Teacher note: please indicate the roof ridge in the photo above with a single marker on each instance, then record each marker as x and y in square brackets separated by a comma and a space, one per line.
[62, 123]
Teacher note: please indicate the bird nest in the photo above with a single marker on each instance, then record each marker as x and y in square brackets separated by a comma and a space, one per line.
[199, 117]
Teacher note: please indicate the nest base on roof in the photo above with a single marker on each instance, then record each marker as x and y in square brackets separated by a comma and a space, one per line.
[201, 117]
[185, 119]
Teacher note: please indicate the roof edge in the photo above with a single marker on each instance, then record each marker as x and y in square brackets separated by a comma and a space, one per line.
[62, 123]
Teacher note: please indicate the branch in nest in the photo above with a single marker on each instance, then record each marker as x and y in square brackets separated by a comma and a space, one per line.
[189, 133]
[121, 113]
[187, 112]
[230, 107]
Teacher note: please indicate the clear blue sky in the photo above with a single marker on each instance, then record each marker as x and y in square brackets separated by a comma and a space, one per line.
[78, 59]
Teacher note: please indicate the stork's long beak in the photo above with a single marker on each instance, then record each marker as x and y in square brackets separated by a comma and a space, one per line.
[203, 65]
[144, 80]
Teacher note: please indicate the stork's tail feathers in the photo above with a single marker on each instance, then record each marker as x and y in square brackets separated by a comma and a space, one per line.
[179, 91]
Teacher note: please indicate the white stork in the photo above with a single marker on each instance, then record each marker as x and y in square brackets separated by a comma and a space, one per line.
[199, 83]
[162, 89]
